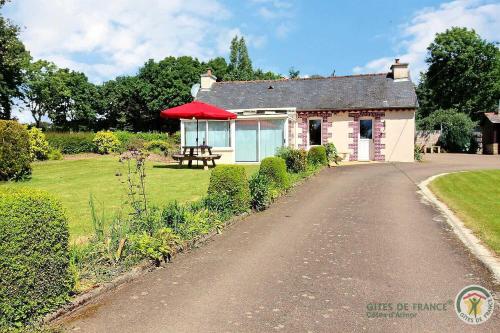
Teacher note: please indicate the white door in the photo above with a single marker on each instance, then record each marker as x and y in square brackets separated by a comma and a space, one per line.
[365, 139]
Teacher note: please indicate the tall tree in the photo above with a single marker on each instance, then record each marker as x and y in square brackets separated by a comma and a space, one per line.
[41, 90]
[463, 73]
[13, 59]
[240, 65]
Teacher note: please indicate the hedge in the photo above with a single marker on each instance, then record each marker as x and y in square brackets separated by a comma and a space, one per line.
[34, 259]
[72, 142]
[228, 189]
[274, 168]
[317, 156]
[15, 151]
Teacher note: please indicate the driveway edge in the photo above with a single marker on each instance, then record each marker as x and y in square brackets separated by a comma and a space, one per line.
[474, 244]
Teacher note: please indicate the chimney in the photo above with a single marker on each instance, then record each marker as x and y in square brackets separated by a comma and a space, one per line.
[207, 80]
[400, 71]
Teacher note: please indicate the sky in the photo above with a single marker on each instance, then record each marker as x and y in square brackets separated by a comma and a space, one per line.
[105, 39]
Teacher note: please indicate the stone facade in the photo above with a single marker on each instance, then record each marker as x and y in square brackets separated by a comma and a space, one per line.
[327, 133]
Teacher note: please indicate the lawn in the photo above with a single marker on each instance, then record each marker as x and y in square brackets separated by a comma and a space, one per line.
[475, 198]
[73, 181]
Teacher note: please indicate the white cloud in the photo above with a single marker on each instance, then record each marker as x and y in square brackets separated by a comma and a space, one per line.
[277, 12]
[109, 38]
[416, 36]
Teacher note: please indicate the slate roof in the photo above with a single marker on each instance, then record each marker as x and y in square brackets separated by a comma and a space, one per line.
[493, 117]
[369, 91]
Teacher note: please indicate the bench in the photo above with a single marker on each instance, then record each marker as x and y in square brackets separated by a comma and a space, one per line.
[431, 149]
[190, 158]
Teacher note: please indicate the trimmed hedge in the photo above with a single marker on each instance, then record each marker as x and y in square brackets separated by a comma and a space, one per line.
[71, 142]
[228, 190]
[317, 156]
[260, 191]
[274, 168]
[15, 151]
[295, 159]
[34, 259]
[106, 142]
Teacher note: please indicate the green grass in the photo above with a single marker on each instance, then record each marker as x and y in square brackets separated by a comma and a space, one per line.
[72, 181]
[475, 198]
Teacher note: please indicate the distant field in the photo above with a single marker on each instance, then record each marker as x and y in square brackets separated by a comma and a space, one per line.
[475, 198]
[72, 181]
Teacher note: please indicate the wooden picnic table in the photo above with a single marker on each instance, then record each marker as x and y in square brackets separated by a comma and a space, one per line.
[197, 153]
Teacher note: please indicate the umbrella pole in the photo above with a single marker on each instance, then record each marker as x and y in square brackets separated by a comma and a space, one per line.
[197, 144]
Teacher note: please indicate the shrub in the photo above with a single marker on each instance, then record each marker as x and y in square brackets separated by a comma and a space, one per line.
[106, 142]
[39, 145]
[157, 146]
[331, 153]
[15, 151]
[228, 190]
[317, 156]
[260, 191]
[55, 154]
[295, 159]
[161, 245]
[456, 135]
[71, 142]
[176, 138]
[417, 153]
[274, 168]
[34, 259]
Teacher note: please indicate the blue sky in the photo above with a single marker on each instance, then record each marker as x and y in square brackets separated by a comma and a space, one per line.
[109, 38]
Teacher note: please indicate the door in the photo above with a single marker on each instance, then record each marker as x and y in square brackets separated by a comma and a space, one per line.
[272, 137]
[246, 141]
[365, 139]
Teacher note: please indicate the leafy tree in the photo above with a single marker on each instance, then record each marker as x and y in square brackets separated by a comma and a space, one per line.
[77, 101]
[240, 65]
[293, 73]
[463, 74]
[261, 75]
[41, 90]
[457, 128]
[13, 59]
[218, 66]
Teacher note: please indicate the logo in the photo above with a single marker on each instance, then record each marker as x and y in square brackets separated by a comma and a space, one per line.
[474, 305]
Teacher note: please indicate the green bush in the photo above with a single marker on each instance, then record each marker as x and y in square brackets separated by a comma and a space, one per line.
[228, 190]
[260, 191]
[457, 128]
[55, 155]
[332, 154]
[106, 142]
[39, 145]
[34, 259]
[158, 146]
[161, 245]
[72, 142]
[15, 151]
[274, 168]
[295, 159]
[317, 156]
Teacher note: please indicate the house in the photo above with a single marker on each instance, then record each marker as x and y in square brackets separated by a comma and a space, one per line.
[491, 132]
[367, 117]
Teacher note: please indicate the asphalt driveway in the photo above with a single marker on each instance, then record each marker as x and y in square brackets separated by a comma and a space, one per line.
[349, 238]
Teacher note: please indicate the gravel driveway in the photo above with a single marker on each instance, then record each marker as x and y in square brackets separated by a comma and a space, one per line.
[351, 238]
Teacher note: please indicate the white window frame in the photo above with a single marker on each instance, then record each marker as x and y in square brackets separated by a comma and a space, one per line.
[320, 128]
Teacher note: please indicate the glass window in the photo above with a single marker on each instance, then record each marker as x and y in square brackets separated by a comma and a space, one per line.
[190, 132]
[218, 133]
[246, 140]
[271, 136]
[365, 128]
[314, 132]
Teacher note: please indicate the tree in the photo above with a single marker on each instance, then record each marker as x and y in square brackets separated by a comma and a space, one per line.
[463, 74]
[41, 90]
[218, 66]
[293, 73]
[13, 59]
[77, 101]
[240, 65]
[259, 74]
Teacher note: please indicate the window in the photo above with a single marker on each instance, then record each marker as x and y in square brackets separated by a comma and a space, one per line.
[314, 132]
[365, 128]
[212, 133]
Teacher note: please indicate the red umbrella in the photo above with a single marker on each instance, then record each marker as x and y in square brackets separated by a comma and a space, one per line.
[197, 110]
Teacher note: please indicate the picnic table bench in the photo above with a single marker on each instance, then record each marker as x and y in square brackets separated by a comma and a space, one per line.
[197, 153]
